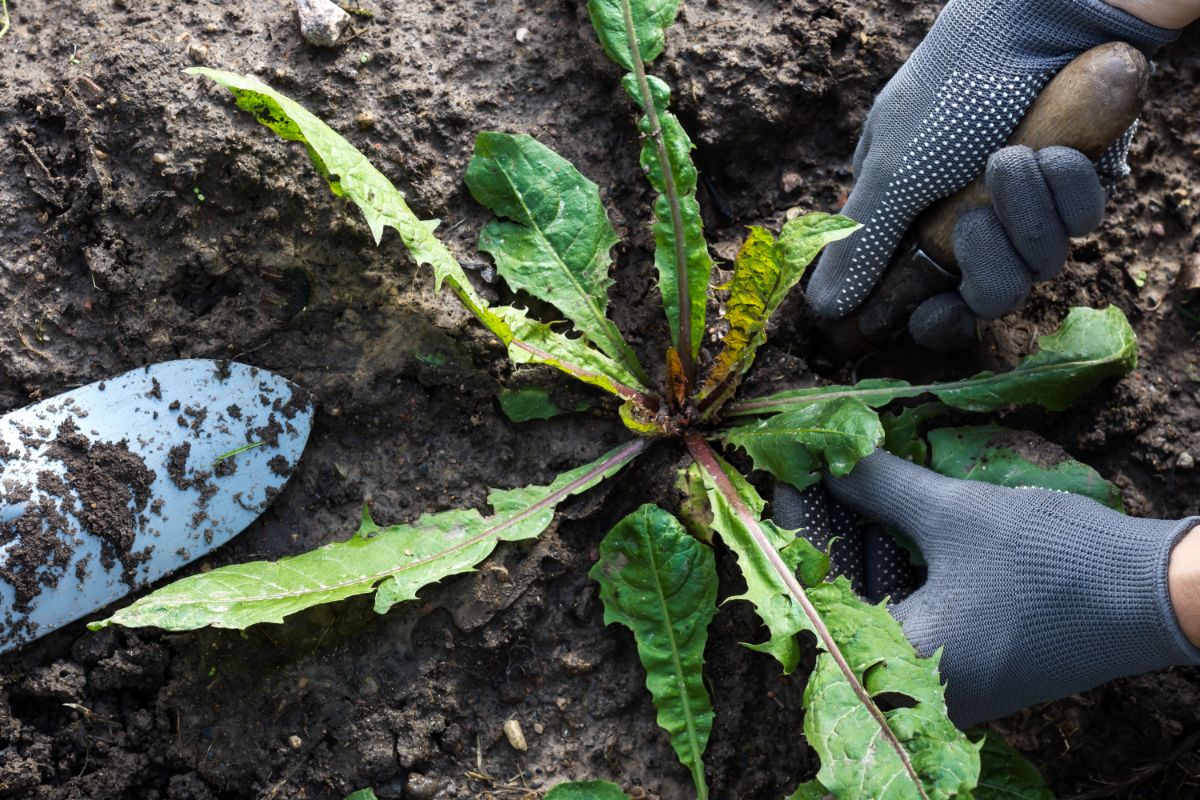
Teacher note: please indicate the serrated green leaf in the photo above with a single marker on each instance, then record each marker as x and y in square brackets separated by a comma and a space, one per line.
[995, 454]
[764, 272]
[649, 20]
[811, 790]
[678, 146]
[556, 242]
[350, 174]
[1089, 347]
[587, 790]
[395, 562]
[783, 618]
[901, 431]
[844, 731]
[866, 753]
[528, 403]
[1006, 775]
[534, 342]
[788, 445]
[659, 582]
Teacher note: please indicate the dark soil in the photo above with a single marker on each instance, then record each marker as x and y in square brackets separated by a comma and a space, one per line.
[146, 219]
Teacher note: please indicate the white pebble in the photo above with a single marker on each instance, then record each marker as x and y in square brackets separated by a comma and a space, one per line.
[321, 21]
[515, 736]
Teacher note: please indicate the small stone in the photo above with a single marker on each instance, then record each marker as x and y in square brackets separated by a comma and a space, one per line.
[522, 35]
[421, 787]
[562, 703]
[160, 158]
[364, 120]
[1185, 460]
[576, 664]
[321, 21]
[295, 742]
[791, 181]
[539, 728]
[1158, 230]
[792, 213]
[515, 736]
[198, 52]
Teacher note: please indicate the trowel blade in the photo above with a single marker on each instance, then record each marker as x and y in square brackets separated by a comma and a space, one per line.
[113, 485]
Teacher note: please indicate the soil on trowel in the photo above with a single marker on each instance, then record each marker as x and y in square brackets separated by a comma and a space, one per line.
[147, 219]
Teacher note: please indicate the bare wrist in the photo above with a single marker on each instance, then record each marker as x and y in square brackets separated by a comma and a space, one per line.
[1183, 584]
[1161, 13]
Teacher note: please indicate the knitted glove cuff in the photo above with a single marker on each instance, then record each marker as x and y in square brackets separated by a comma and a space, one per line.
[1179, 650]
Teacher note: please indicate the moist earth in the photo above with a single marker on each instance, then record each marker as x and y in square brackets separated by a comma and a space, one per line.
[146, 219]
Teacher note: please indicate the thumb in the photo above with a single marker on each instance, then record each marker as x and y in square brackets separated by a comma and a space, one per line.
[911, 615]
[896, 493]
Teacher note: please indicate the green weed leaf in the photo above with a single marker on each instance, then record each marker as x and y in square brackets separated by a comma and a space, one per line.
[678, 146]
[764, 589]
[1006, 774]
[994, 454]
[866, 752]
[793, 444]
[350, 174]
[395, 562]
[902, 431]
[556, 242]
[587, 790]
[528, 403]
[649, 18]
[659, 582]
[811, 790]
[764, 272]
[1091, 345]
[845, 732]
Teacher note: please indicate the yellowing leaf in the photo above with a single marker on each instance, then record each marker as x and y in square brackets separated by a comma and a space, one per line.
[350, 174]
[764, 272]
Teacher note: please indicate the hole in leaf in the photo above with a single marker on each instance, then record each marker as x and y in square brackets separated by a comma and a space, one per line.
[889, 701]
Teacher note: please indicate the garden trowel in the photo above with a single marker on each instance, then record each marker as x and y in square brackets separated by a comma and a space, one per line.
[1088, 105]
[113, 485]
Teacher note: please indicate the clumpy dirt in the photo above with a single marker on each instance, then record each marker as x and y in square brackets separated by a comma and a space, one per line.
[148, 220]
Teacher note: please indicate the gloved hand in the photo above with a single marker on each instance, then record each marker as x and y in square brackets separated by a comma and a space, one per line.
[1034, 594]
[939, 122]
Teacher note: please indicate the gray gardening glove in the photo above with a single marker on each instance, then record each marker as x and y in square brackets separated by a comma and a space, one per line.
[932, 130]
[1033, 594]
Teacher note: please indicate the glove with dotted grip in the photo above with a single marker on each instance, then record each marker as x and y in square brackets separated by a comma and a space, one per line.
[943, 119]
[1033, 594]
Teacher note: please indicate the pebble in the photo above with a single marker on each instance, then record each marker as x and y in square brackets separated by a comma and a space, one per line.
[522, 35]
[364, 120]
[160, 158]
[198, 52]
[1185, 460]
[1158, 230]
[321, 21]
[791, 181]
[421, 787]
[295, 742]
[515, 736]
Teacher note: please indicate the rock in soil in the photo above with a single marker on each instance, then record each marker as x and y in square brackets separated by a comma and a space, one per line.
[321, 21]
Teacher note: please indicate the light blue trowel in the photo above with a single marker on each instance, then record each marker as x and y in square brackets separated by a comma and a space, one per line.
[113, 485]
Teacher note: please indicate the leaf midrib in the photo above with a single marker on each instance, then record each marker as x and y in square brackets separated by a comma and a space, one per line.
[596, 312]
[770, 402]
[680, 683]
[626, 454]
